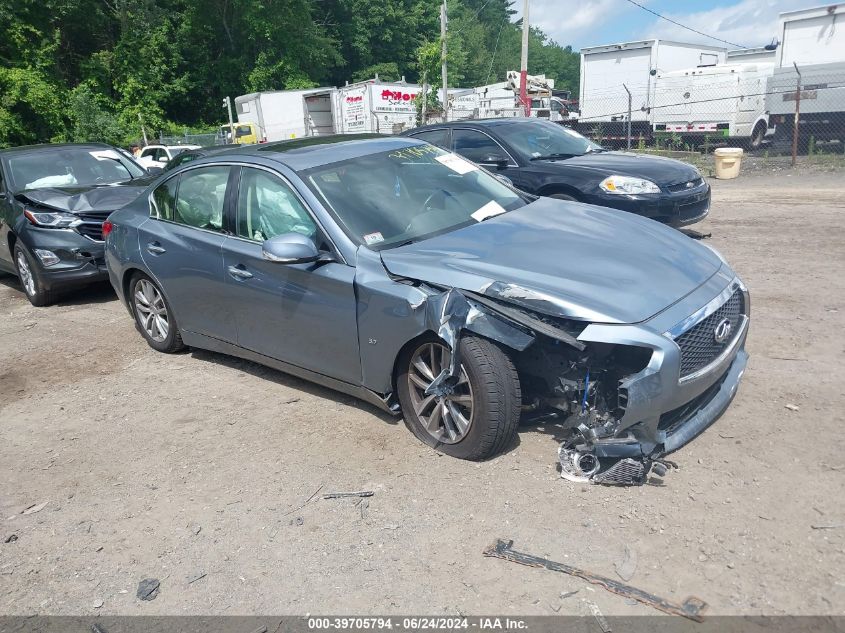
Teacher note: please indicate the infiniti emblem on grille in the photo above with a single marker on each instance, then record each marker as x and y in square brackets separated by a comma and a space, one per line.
[690, 184]
[722, 331]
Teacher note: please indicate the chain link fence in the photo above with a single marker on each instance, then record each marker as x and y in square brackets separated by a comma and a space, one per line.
[752, 106]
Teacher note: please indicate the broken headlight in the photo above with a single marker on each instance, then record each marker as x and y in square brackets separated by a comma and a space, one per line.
[51, 219]
[628, 185]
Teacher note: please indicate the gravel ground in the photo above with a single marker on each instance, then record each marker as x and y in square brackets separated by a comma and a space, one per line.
[207, 472]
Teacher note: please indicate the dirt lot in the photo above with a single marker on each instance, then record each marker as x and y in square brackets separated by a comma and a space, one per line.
[176, 466]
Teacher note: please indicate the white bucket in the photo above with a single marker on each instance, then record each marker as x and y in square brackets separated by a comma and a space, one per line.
[728, 161]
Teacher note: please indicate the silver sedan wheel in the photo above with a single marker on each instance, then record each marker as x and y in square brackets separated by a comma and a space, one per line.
[448, 417]
[151, 311]
[25, 274]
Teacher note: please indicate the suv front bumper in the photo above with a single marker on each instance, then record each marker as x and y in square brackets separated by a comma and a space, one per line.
[81, 260]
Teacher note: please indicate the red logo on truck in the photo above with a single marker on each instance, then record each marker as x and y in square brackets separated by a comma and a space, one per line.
[397, 95]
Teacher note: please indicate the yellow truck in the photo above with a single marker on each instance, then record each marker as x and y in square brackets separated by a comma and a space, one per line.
[245, 133]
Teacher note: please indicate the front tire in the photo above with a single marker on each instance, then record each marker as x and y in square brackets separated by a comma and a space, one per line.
[30, 279]
[153, 316]
[479, 417]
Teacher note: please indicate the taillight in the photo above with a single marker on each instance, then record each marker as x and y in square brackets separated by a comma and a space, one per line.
[107, 227]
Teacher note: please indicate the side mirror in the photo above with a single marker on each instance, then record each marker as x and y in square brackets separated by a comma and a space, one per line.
[162, 159]
[155, 170]
[494, 160]
[290, 248]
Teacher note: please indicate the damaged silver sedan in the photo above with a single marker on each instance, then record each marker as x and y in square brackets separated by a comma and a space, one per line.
[400, 273]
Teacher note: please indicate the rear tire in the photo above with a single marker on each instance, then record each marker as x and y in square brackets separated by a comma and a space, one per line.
[757, 136]
[153, 316]
[30, 279]
[487, 398]
[563, 196]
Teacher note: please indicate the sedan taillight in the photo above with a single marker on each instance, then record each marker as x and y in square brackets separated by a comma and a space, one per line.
[107, 227]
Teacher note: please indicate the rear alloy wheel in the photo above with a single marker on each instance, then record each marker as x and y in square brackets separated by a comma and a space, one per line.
[153, 316]
[28, 275]
[474, 418]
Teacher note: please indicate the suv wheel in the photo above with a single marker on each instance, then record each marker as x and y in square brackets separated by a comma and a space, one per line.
[478, 416]
[153, 315]
[30, 280]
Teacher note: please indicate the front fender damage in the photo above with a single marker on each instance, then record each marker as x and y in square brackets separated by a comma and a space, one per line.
[555, 368]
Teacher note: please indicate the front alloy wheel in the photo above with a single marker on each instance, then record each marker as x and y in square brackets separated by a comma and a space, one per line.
[447, 417]
[473, 416]
[30, 280]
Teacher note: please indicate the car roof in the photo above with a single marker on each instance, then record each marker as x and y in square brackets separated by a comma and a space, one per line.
[315, 151]
[53, 146]
[482, 123]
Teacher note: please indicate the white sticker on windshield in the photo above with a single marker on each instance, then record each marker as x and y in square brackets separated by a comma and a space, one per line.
[104, 154]
[456, 163]
[488, 211]
[373, 238]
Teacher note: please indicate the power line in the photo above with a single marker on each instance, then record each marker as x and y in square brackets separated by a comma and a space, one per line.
[495, 48]
[684, 26]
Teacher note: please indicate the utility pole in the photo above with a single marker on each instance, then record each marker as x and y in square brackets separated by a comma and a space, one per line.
[629, 115]
[443, 20]
[227, 103]
[797, 116]
[424, 116]
[523, 66]
[143, 130]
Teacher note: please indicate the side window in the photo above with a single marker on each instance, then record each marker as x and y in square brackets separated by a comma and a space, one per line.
[164, 200]
[199, 201]
[435, 137]
[475, 145]
[267, 207]
[147, 151]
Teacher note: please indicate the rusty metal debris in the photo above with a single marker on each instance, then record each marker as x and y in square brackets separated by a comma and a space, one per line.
[340, 495]
[691, 608]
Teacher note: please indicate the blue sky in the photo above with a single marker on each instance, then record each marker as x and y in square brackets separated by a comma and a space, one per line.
[594, 22]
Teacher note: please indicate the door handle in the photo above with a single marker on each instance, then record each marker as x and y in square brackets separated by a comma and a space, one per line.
[239, 273]
[155, 248]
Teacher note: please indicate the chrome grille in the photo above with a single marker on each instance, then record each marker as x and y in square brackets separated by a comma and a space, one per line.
[92, 224]
[698, 344]
[682, 186]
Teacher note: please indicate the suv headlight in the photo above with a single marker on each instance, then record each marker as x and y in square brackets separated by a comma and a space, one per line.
[51, 219]
[628, 185]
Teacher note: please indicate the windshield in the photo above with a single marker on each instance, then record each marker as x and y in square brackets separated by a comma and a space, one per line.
[409, 194]
[70, 167]
[535, 139]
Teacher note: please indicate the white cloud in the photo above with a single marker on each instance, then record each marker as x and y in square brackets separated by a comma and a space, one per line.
[596, 22]
[747, 23]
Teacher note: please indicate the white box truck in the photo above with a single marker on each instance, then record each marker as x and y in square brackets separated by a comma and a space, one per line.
[367, 106]
[814, 41]
[279, 114]
[607, 70]
[714, 105]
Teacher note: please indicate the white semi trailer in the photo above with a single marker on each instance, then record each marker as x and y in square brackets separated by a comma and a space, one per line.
[607, 70]
[814, 41]
[367, 106]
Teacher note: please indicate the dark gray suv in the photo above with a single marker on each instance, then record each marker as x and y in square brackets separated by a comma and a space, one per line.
[53, 202]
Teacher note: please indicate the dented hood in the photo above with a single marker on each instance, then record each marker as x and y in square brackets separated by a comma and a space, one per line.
[83, 199]
[564, 259]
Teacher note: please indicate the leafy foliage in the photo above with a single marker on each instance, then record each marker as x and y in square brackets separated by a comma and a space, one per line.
[99, 69]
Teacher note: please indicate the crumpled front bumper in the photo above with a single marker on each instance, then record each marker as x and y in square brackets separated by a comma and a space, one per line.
[664, 411]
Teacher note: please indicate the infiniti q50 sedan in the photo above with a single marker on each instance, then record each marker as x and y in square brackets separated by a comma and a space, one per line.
[401, 273]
